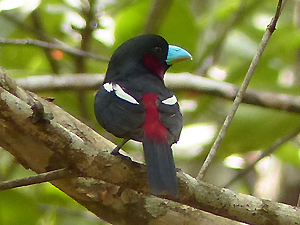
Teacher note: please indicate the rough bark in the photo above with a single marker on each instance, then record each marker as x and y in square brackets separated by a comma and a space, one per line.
[43, 137]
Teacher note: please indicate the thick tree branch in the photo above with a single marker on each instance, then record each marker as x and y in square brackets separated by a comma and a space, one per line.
[64, 142]
[176, 82]
[42, 145]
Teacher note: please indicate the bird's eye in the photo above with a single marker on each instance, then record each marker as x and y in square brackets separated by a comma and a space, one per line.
[157, 49]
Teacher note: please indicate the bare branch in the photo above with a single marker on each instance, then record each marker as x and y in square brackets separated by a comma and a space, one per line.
[37, 179]
[237, 101]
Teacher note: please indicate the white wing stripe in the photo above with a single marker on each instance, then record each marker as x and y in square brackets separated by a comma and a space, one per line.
[170, 101]
[108, 87]
[123, 95]
[120, 92]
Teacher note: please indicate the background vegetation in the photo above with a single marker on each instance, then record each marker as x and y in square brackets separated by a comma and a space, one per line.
[222, 36]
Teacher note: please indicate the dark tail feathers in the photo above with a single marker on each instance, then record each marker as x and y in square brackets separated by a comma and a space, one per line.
[160, 168]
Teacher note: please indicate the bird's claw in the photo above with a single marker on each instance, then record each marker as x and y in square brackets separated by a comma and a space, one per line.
[117, 153]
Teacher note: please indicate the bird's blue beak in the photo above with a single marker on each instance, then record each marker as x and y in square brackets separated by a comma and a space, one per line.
[177, 54]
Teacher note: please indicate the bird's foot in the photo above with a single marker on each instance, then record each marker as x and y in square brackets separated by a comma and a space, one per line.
[116, 152]
[178, 170]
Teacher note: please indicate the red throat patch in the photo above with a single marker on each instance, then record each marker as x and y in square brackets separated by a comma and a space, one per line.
[154, 66]
[153, 128]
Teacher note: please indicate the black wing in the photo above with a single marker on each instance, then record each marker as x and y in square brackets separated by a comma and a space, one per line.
[118, 116]
[170, 117]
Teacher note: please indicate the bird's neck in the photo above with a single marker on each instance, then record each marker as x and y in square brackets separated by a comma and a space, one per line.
[156, 67]
[149, 70]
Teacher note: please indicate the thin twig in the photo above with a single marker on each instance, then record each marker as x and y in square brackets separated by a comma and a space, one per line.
[264, 154]
[267, 35]
[37, 179]
[47, 45]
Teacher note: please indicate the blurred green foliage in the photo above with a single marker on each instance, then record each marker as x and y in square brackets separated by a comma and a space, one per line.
[219, 34]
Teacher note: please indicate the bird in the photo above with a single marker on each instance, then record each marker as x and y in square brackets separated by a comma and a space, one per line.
[134, 103]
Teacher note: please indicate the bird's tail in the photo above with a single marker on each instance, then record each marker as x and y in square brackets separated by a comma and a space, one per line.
[160, 168]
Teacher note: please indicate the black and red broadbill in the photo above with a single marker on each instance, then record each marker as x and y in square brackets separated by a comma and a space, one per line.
[134, 103]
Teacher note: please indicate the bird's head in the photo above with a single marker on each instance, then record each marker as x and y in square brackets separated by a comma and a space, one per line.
[149, 51]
